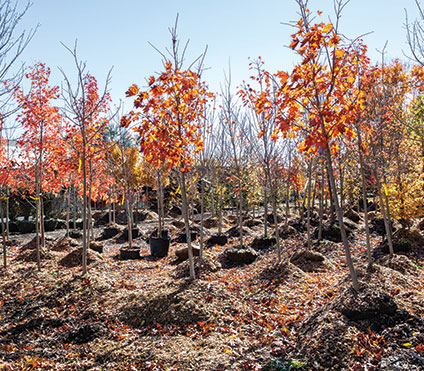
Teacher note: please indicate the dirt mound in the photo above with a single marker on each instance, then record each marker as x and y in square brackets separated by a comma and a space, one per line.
[30, 255]
[178, 224]
[235, 231]
[32, 245]
[182, 305]
[210, 223]
[64, 244]
[280, 272]
[400, 263]
[202, 266]
[372, 321]
[309, 261]
[74, 258]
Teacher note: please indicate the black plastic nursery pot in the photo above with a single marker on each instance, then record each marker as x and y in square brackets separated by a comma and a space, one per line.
[159, 247]
[129, 254]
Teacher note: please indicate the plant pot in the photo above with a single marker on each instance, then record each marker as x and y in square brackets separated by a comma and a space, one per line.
[159, 247]
[129, 254]
[217, 239]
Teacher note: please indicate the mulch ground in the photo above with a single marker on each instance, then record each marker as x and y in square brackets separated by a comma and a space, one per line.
[146, 315]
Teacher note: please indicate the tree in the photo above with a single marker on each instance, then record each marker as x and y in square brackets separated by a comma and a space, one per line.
[85, 106]
[170, 120]
[321, 97]
[40, 141]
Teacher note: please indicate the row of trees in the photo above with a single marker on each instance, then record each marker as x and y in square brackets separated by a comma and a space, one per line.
[334, 128]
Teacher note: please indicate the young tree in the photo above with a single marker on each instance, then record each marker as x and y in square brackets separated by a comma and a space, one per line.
[321, 95]
[170, 120]
[85, 109]
[40, 141]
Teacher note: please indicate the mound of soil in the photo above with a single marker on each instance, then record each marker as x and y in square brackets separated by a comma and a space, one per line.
[74, 258]
[309, 261]
[377, 226]
[263, 242]
[64, 244]
[252, 222]
[96, 246]
[327, 337]
[352, 215]
[286, 231]
[32, 245]
[235, 231]
[182, 252]
[400, 263]
[178, 224]
[75, 234]
[210, 223]
[270, 218]
[110, 231]
[280, 272]
[202, 266]
[240, 255]
[182, 305]
[30, 255]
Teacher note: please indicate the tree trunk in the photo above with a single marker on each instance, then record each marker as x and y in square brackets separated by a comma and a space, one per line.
[321, 203]
[241, 215]
[273, 188]
[364, 197]
[339, 215]
[3, 235]
[187, 225]
[129, 219]
[160, 205]
[220, 211]
[43, 235]
[7, 212]
[68, 206]
[74, 222]
[202, 211]
[308, 205]
[84, 210]
[265, 209]
[383, 211]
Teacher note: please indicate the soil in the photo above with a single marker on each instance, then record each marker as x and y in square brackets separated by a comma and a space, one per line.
[309, 261]
[73, 259]
[146, 314]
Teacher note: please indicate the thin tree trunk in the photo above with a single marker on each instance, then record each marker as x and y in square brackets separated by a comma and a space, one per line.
[187, 226]
[7, 212]
[241, 215]
[385, 218]
[129, 219]
[265, 208]
[37, 229]
[308, 205]
[220, 211]
[160, 206]
[3, 235]
[321, 203]
[74, 222]
[43, 235]
[339, 215]
[84, 210]
[202, 211]
[274, 211]
[68, 206]
[364, 197]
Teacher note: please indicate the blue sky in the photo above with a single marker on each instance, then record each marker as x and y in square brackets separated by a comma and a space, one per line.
[116, 33]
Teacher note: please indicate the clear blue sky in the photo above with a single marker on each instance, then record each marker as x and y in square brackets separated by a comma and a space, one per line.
[116, 33]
